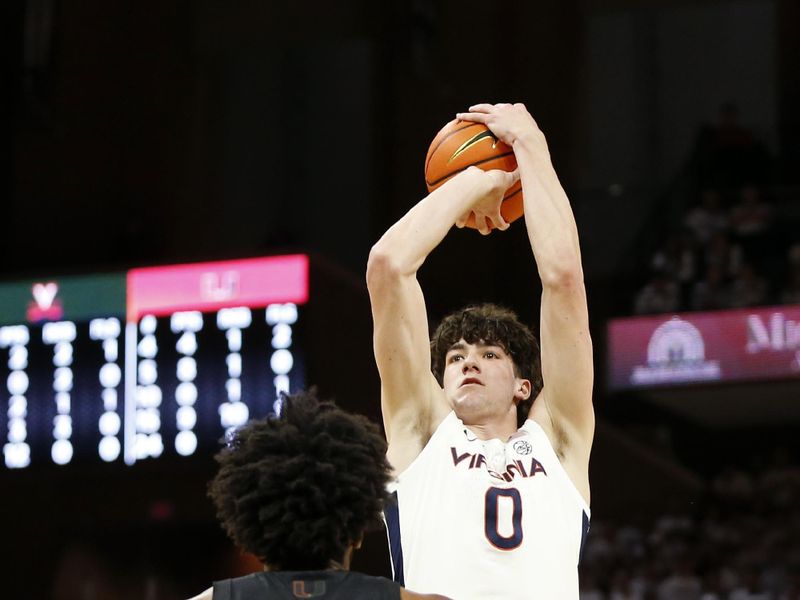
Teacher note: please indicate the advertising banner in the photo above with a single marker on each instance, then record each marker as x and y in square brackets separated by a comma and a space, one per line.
[721, 346]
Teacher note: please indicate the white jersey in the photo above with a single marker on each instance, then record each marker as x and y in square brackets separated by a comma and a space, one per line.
[484, 520]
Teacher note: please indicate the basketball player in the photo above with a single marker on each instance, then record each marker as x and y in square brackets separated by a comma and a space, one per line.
[299, 491]
[490, 465]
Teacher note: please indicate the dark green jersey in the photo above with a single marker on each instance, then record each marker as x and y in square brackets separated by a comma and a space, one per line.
[320, 585]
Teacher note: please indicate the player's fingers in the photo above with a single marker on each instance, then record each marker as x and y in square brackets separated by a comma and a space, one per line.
[475, 117]
[483, 107]
[504, 179]
[463, 220]
[499, 222]
[483, 227]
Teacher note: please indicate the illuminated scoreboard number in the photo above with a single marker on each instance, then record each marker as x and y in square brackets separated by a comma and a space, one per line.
[200, 375]
[196, 376]
[17, 450]
[62, 386]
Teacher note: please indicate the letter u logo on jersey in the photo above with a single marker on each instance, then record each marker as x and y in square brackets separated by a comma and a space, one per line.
[308, 589]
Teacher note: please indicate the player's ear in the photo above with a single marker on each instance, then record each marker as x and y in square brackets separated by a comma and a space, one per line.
[523, 389]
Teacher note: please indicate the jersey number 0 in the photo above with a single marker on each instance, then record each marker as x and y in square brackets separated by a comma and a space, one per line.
[491, 525]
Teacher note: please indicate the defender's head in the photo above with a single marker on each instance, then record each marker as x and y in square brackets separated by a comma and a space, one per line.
[490, 325]
[299, 490]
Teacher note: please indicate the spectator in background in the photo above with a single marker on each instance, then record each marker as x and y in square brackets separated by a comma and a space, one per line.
[708, 217]
[747, 288]
[677, 258]
[711, 293]
[622, 587]
[713, 589]
[780, 482]
[660, 295]
[751, 215]
[720, 253]
[774, 574]
[645, 579]
[751, 222]
[682, 583]
[749, 587]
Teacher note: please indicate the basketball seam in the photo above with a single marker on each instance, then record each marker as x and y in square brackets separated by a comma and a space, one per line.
[442, 141]
[480, 162]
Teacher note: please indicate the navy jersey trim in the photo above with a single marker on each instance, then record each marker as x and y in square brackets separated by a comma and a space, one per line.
[584, 534]
[392, 515]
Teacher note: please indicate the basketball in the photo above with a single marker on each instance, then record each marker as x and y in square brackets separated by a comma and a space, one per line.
[461, 144]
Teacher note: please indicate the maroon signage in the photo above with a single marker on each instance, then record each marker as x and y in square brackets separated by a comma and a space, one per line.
[731, 345]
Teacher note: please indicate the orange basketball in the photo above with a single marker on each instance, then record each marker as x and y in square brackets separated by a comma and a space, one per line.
[461, 144]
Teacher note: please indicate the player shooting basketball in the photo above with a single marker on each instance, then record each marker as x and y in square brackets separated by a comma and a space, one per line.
[491, 465]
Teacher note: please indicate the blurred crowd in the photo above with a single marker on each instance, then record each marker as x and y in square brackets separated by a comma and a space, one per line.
[740, 542]
[730, 248]
[726, 255]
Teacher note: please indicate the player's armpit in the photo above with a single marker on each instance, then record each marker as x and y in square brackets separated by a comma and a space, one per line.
[410, 428]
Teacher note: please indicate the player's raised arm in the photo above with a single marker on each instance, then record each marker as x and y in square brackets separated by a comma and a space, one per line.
[411, 400]
[567, 368]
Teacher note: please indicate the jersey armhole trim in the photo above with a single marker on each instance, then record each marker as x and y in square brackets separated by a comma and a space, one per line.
[578, 496]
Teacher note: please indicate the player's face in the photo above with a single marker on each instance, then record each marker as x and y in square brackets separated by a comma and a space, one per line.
[480, 383]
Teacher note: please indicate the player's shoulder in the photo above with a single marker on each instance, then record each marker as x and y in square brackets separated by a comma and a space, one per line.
[361, 585]
[380, 587]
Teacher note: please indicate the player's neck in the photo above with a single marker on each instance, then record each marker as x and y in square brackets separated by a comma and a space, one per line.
[334, 565]
[489, 430]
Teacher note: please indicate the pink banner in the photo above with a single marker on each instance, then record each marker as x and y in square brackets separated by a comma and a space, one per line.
[252, 282]
[733, 345]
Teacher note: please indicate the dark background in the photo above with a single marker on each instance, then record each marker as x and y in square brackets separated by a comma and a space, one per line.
[138, 133]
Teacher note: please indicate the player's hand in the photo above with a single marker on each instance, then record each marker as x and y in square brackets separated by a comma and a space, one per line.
[490, 188]
[509, 122]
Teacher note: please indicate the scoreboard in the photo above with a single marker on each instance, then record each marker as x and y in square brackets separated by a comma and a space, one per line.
[152, 362]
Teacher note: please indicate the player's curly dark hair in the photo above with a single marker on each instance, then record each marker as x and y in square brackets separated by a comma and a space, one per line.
[491, 324]
[298, 489]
